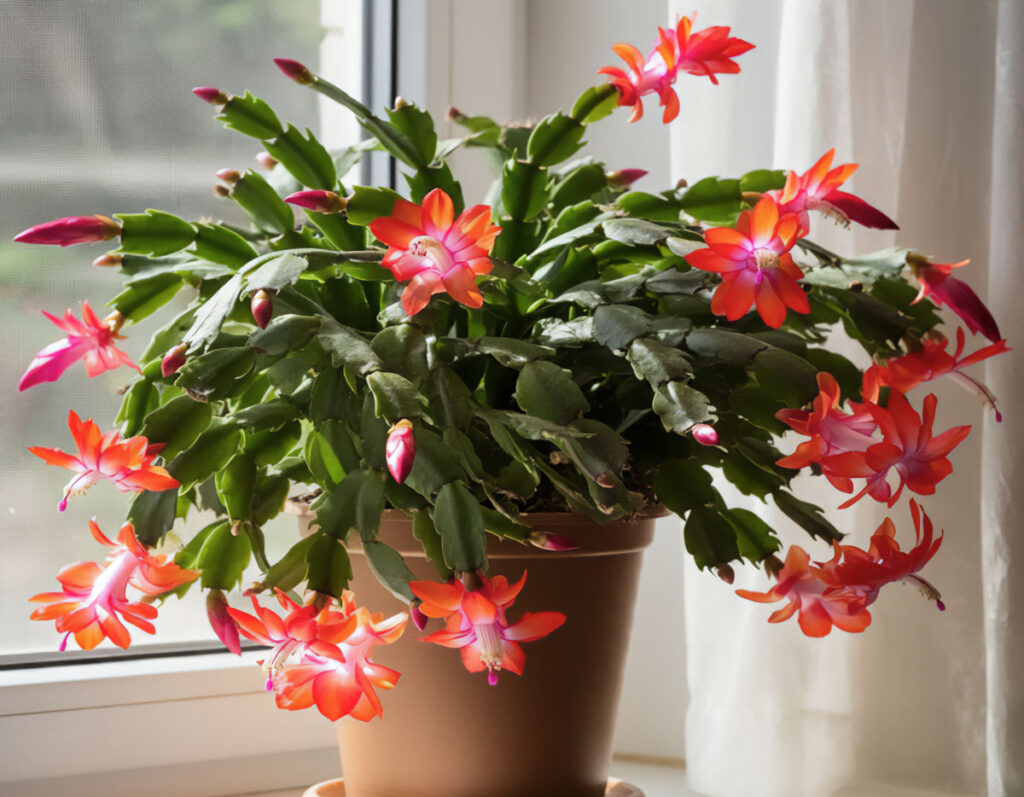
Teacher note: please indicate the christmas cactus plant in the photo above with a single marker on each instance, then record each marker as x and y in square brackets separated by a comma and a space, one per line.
[566, 343]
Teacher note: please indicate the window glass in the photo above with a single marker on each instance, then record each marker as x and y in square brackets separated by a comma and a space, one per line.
[97, 116]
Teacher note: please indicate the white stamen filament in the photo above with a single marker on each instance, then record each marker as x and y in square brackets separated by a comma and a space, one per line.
[490, 645]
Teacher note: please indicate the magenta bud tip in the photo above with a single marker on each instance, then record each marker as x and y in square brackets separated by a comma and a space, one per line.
[624, 178]
[941, 605]
[318, 201]
[262, 307]
[705, 434]
[295, 70]
[419, 619]
[210, 94]
[173, 360]
[492, 677]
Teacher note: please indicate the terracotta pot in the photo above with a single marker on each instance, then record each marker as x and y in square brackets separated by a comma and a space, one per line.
[447, 733]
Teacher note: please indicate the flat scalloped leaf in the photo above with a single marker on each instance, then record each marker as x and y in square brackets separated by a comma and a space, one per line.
[154, 232]
[304, 157]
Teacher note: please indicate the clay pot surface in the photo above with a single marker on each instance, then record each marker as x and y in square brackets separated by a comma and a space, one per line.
[446, 733]
[336, 788]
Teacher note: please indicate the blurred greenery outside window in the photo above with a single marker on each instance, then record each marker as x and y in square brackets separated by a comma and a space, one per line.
[97, 116]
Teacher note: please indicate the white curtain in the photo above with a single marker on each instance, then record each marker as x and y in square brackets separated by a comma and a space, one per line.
[928, 96]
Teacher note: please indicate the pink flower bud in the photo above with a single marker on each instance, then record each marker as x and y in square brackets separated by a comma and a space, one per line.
[726, 573]
[71, 230]
[210, 95]
[266, 160]
[419, 619]
[262, 307]
[547, 541]
[173, 360]
[400, 450]
[230, 176]
[109, 259]
[320, 201]
[296, 71]
[624, 178]
[221, 621]
[705, 434]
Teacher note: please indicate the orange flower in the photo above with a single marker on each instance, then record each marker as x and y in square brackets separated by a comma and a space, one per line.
[322, 657]
[476, 623]
[435, 251]
[755, 265]
[94, 595]
[705, 52]
[127, 463]
[819, 608]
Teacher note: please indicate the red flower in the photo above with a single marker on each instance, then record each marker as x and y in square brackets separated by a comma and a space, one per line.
[938, 284]
[907, 446]
[705, 52]
[838, 592]
[71, 230]
[322, 657]
[755, 265]
[476, 623]
[89, 340]
[94, 598]
[864, 573]
[438, 254]
[932, 361]
[819, 608]
[818, 189]
[127, 463]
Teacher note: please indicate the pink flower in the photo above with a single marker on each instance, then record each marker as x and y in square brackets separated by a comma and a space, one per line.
[819, 608]
[705, 52]
[400, 450]
[71, 230]
[476, 623]
[322, 657]
[89, 340]
[818, 189]
[173, 360]
[754, 262]
[294, 70]
[319, 201]
[931, 361]
[436, 252]
[908, 447]
[938, 284]
[262, 307]
[211, 95]
[221, 622]
[549, 541]
[127, 463]
[705, 434]
[94, 598]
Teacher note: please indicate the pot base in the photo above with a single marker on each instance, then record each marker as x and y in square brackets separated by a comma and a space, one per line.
[336, 788]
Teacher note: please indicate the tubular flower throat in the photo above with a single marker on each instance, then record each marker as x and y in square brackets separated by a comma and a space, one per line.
[818, 189]
[436, 252]
[755, 265]
[838, 592]
[475, 621]
[94, 601]
[127, 463]
[89, 340]
[322, 657]
[705, 52]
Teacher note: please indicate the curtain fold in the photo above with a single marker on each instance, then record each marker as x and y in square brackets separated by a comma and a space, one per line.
[927, 97]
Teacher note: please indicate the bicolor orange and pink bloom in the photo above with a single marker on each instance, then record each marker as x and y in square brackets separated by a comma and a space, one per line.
[89, 340]
[846, 446]
[818, 189]
[932, 361]
[128, 463]
[838, 592]
[436, 252]
[476, 623]
[703, 53]
[938, 284]
[321, 656]
[94, 598]
[754, 261]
